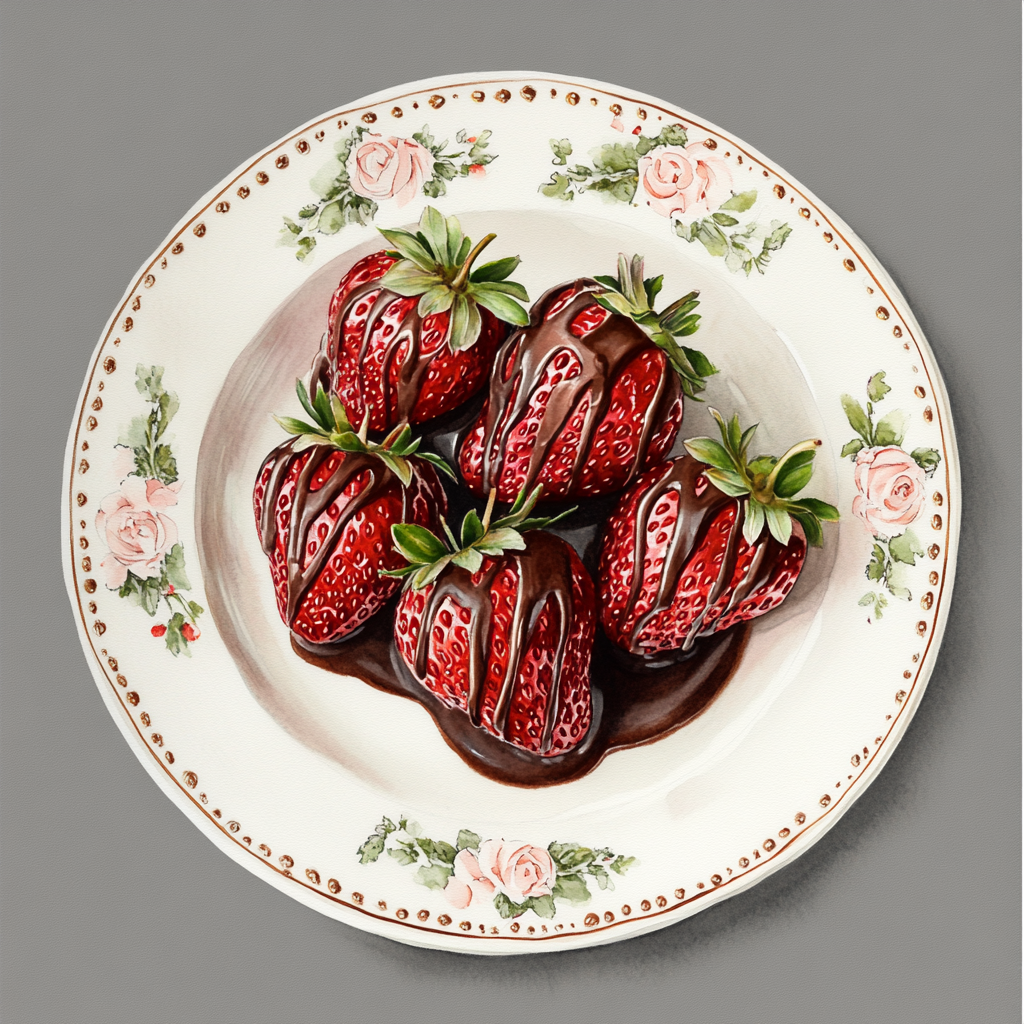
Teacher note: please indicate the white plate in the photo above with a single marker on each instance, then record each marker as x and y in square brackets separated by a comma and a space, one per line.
[290, 769]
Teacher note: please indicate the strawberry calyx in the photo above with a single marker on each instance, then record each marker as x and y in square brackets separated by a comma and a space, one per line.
[428, 555]
[331, 426]
[770, 485]
[436, 264]
[633, 295]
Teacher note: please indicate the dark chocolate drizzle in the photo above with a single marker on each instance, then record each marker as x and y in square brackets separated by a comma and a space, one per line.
[308, 505]
[602, 354]
[695, 515]
[545, 572]
[412, 370]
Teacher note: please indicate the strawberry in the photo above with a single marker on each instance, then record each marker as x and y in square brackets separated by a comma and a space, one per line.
[589, 394]
[412, 331]
[500, 624]
[686, 552]
[325, 502]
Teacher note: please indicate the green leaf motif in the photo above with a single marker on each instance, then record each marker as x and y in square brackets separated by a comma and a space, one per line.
[405, 854]
[906, 548]
[371, 849]
[174, 566]
[852, 447]
[615, 157]
[927, 458]
[433, 876]
[876, 602]
[562, 149]
[891, 428]
[877, 388]
[558, 188]
[174, 638]
[858, 418]
[467, 840]
[571, 888]
[878, 564]
[740, 202]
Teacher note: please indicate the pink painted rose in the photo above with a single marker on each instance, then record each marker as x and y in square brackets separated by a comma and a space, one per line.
[891, 490]
[518, 870]
[681, 179]
[137, 532]
[469, 882]
[388, 168]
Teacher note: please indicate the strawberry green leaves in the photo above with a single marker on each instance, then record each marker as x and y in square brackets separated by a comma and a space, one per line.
[436, 263]
[429, 555]
[770, 485]
[630, 294]
[331, 426]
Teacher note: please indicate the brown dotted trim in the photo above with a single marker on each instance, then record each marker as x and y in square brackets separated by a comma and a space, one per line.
[132, 697]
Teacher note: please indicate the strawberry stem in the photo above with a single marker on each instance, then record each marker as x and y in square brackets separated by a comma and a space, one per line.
[364, 429]
[491, 497]
[463, 275]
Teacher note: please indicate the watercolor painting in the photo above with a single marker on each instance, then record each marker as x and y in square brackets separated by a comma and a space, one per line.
[580, 398]
[533, 499]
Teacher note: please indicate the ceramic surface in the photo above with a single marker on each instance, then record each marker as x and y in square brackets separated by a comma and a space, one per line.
[348, 798]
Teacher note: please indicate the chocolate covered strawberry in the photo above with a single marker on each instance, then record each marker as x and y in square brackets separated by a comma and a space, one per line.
[412, 331]
[707, 540]
[589, 394]
[325, 502]
[500, 624]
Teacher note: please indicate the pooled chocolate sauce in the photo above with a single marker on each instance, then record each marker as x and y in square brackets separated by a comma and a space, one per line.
[635, 701]
[602, 354]
[545, 572]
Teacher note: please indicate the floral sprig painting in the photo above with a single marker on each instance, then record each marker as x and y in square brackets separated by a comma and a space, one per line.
[146, 561]
[682, 181]
[512, 876]
[890, 490]
[369, 168]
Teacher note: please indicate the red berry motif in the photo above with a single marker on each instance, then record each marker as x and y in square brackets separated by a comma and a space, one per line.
[686, 552]
[504, 635]
[412, 332]
[158, 630]
[325, 503]
[584, 399]
[189, 632]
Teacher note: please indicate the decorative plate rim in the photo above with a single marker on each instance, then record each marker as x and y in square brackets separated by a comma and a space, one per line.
[602, 932]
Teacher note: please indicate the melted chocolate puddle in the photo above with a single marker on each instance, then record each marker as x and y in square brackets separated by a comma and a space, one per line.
[634, 702]
[632, 705]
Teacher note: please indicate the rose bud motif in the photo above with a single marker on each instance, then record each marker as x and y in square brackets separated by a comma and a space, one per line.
[325, 502]
[412, 330]
[684, 180]
[891, 490]
[705, 541]
[589, 394]
[388, 168]
[139, 534]
[500, 624]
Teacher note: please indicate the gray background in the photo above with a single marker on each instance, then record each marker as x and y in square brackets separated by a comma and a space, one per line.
[117, 116]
